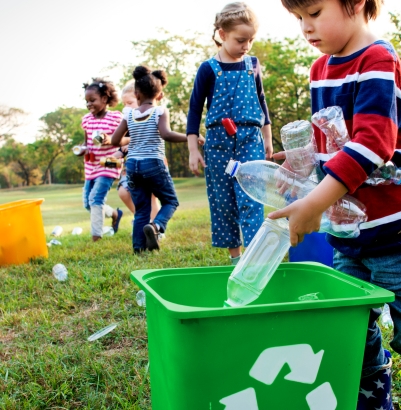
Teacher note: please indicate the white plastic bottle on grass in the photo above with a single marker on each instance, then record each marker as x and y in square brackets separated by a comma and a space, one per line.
[60, 272]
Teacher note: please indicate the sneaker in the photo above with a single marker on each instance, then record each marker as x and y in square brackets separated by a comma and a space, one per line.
[375, 390]
[152, 236]
[116, 221]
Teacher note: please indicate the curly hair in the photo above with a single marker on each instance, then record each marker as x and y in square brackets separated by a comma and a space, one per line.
[149, 83]
[103, 88]
[232, 15]
[372, 7]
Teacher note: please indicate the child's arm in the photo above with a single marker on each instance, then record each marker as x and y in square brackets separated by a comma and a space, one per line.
[267, 135]
[305, 214]
[165, 130]
[119, 134]
[195, 157]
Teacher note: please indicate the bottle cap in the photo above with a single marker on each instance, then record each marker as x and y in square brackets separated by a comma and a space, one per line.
[232, 167]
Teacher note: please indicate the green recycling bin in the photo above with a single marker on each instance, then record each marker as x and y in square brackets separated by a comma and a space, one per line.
[283, 351]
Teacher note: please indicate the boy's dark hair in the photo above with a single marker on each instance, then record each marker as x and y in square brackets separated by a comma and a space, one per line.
[372, 7]
[103, 88]
[149, 83]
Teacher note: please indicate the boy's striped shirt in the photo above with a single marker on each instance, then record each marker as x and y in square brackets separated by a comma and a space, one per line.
[367, 86]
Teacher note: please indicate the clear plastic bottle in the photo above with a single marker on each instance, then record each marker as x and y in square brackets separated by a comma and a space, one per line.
[385, 317]
[141, 298]
[60, 272]
[270, 184]
[259, 262]
[331, 122]
[57, 231]
[300, 147]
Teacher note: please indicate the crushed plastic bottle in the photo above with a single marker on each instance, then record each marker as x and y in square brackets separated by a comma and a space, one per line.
[300, 147]
[102, 332]
[331, 122]
[259, 262]
[57, 231]
[270, 184]
[76, 231]
[141, 298]
[54, 242]
[385, 318]
[108, 231]
[60, 272]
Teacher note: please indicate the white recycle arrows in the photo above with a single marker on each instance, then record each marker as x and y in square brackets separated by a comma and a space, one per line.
[245, 399]
[304, 364]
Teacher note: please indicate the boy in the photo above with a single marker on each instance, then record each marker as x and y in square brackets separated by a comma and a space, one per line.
[362, 75]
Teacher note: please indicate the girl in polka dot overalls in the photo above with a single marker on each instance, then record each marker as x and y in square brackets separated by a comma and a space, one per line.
[231, 84]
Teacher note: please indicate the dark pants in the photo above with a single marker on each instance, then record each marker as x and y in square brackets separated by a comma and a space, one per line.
[146, 177]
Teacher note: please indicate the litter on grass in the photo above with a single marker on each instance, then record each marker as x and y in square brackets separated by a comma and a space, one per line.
[100, 333]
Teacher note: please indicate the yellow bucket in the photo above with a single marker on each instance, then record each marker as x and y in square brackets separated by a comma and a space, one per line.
[22, 236]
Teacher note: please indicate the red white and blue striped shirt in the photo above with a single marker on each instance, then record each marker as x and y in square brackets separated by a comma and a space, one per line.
[367, 86]
[107, 125]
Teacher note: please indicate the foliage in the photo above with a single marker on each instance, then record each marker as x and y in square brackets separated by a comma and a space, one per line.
[10, 120]
[22, 159]
[61, 131]
[285, 67]
[396, 36]
[179, 56]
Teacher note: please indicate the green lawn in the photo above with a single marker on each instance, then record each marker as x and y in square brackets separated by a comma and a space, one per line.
[46, 361]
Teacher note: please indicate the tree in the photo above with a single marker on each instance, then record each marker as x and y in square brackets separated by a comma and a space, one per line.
[285, 66]
[179, 57]
[395, 37]
[22, 158]
[10, 120]
[61, 130]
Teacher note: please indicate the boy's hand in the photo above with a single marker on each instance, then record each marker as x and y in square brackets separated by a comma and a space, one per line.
[302, 217]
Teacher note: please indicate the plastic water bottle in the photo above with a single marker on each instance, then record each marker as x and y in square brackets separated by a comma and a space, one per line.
[259, 262]
[270, 184]
[331, 122]
[57, 231]
[385, 317]
[300, 147]
[76, 231]
[141, 298]
[60, 272]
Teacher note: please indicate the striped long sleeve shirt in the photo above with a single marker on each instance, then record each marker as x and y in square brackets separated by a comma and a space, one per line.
[367, 86]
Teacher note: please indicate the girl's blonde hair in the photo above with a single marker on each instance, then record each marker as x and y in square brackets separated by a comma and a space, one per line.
[232, 15]
[129, 88]
[372, 7]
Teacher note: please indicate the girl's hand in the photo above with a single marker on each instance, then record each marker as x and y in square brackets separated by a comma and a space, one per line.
[195, 157]
[302, 217]
[201, 140]
[106, 140]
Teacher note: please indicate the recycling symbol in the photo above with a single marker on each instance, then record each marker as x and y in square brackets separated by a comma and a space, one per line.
[304, 365]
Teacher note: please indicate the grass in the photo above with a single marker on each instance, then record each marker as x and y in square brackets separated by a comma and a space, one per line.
[46, 361]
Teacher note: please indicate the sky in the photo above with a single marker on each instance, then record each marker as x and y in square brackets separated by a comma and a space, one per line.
[49, 48]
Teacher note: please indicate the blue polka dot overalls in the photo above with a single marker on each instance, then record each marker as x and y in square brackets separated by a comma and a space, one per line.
[232, 211]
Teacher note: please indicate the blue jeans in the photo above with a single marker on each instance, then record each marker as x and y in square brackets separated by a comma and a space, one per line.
[383, 271]
[146, 177]
[95, 191]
